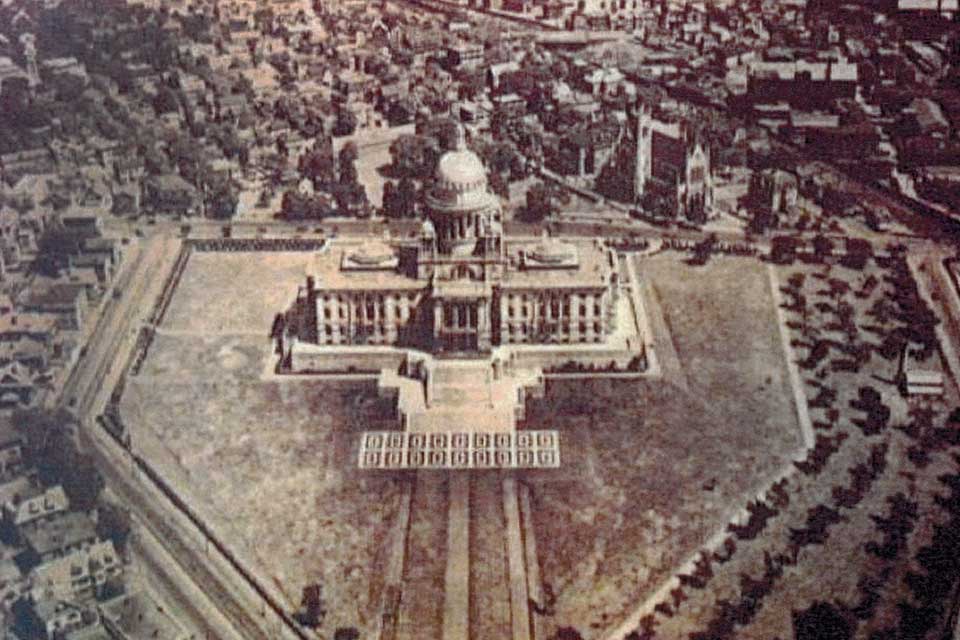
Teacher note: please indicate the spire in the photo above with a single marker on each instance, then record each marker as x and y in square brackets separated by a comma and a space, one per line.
[460, 139]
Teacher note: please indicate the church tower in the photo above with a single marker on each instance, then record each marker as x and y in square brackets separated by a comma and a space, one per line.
[30, 53]
[695, 188]
[644, 152]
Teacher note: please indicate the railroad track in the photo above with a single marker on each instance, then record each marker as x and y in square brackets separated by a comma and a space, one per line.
[87, 390]
[189, 558]
[444, 6]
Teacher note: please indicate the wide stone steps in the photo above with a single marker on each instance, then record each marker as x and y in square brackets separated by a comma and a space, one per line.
[461, 373]
[446, 419]
[462, 396]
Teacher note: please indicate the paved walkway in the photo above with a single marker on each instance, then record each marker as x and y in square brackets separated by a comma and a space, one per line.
[519, 595]
[456, 601]
[796, 382]
[934, 274]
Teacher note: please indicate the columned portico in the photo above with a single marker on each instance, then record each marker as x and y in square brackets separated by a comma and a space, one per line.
[461, 324]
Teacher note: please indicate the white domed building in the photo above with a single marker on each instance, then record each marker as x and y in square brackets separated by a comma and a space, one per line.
[461, 287]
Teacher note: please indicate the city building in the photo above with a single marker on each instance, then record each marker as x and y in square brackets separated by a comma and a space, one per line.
[45, 505]
[673, 160]
[462, 287]
[78, 576]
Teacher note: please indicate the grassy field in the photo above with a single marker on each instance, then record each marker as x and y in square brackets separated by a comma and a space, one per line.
[241, 292]
[271, 463]
[896, 470]
[652, 468]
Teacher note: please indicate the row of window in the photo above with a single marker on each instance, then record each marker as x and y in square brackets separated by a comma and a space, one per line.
[368, 313]
[554, 328]
[554, 310]
[376, 297]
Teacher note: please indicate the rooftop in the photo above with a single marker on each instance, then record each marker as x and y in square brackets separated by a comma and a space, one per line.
[592, 270]
[139, 616]
[71, 529]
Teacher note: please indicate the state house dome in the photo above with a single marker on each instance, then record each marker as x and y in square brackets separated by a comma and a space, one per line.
[460, 180]
[461, 170]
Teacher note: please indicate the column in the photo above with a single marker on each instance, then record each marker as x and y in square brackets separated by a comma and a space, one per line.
[575, 316]
[390, 321]
[588, 301]
[604, 314]
[484, 337]
[437, 318]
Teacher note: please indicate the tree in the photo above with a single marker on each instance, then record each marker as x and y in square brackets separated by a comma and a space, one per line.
[22, 203]
[312, 607]
[349, 153]
[39, 427]
[54, 249]
[165, 101]
[822, 621]
[703, 249]
[68, 86]
[838, 288]
[822, 247]
[348, 174]
[567, 633]
[222, 200]
[407, 198]
[80, 479]
[52, 449]
[391, 207]
[499, 186]
[347, 159]
[114, 524]
[317, 165]
[346, 633]
[559, 69]
[346, 123]
[414, 155]
[540, 203]
[783, 249]
[293, 206]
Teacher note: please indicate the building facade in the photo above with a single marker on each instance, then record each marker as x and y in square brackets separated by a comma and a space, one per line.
[461, 287]
[673, 160]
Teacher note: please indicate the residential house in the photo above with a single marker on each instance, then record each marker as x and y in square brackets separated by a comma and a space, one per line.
[50, 539]
[19, 384]
[171, 194]
[26, 162]
[13, 584]
[10, 238]
[30, 510]
[465, 55]
[496, 73]
[67, 301]
[80, 576]
[55, 619]
[137, 616]
[11, 451]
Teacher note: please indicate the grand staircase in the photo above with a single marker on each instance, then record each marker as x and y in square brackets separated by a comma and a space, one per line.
[461, 395]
